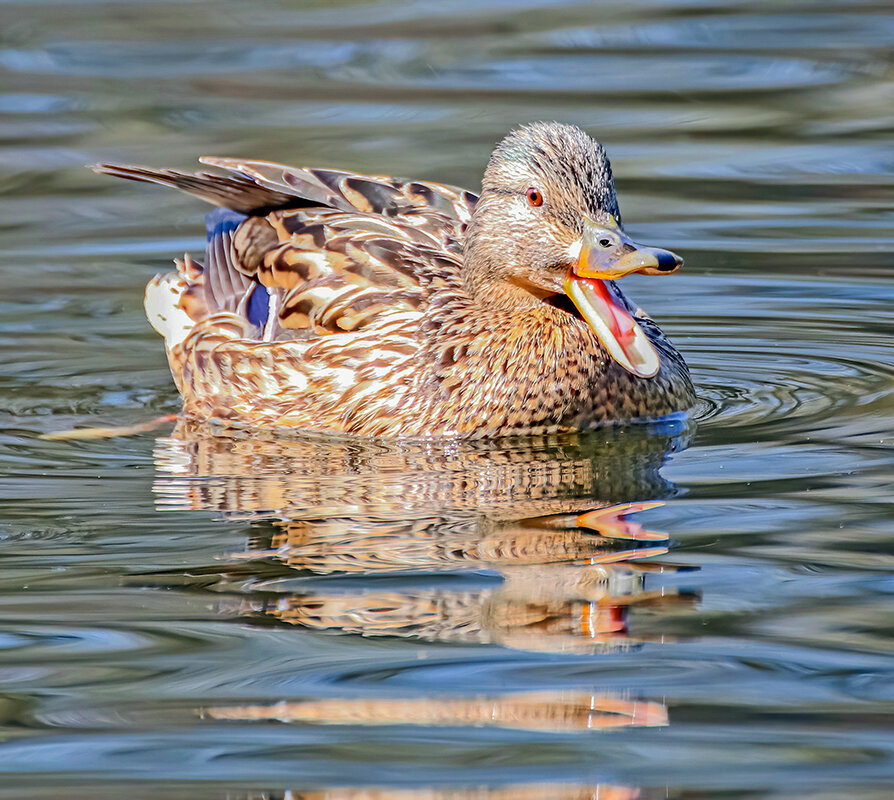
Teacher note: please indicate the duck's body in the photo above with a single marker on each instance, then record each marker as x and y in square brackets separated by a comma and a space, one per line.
[342, 303]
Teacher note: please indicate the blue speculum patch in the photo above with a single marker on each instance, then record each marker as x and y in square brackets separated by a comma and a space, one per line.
[258, 306]
[221, 221]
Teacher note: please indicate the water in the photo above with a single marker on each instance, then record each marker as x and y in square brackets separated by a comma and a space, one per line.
[186, 614]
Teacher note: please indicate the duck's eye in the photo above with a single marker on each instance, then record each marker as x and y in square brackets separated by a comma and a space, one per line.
[605, 242]
[535, 198]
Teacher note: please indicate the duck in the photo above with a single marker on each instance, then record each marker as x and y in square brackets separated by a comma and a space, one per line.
[333, 302]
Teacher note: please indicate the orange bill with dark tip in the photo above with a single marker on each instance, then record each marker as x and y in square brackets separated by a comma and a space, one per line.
[607, 254]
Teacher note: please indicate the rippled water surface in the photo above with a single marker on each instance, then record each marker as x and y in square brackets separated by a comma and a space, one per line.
[190, 614]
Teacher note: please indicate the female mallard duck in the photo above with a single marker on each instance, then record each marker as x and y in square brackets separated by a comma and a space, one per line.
[344, 303]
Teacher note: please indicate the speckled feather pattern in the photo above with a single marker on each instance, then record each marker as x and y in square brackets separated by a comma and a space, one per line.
[373, 330]
[434, 370]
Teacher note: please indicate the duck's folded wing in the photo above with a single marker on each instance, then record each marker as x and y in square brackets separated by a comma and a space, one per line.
[312, 252]
[259, 187]
[351, 191]
[227, 191]
[337, 272]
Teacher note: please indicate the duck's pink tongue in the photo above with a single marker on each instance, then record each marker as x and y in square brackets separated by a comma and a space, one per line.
[621, 323]
[618, 331]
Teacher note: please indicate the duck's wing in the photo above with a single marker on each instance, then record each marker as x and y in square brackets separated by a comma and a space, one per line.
[326, 272]
[258, 187]
[307, 273]
[303, 252]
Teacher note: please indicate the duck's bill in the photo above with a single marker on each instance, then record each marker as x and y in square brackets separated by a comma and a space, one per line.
[615, 327]
[606, 254]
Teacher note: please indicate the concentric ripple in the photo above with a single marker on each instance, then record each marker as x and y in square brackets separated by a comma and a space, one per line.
[785, 359]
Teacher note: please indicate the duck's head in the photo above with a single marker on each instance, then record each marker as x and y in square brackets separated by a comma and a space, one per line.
[547, 229]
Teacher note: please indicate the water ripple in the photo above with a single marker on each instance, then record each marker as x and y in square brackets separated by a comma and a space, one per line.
[334, 621]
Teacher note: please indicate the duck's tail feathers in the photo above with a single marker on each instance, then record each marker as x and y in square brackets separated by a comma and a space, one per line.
[232, 191]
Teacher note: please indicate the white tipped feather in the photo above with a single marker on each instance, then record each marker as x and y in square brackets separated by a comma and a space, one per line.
[161, 302]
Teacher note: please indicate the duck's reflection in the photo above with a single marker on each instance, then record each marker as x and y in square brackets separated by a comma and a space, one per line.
[536, 711]
[252, 475]
[539, 530]
[543, 514]
[527, 791]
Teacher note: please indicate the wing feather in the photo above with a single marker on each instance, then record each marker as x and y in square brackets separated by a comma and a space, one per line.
[331, 252]
[347, 191]
[234, 192]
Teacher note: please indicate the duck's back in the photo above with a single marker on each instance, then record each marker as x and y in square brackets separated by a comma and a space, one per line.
[311, 291]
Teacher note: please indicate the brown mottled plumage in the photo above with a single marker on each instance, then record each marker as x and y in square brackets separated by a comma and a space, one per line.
[353, 304]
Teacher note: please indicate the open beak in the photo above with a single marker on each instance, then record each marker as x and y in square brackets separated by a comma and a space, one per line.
[607, 254]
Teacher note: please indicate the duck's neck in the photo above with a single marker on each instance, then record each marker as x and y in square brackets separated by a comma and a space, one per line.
[501, 297]
[487, 263]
